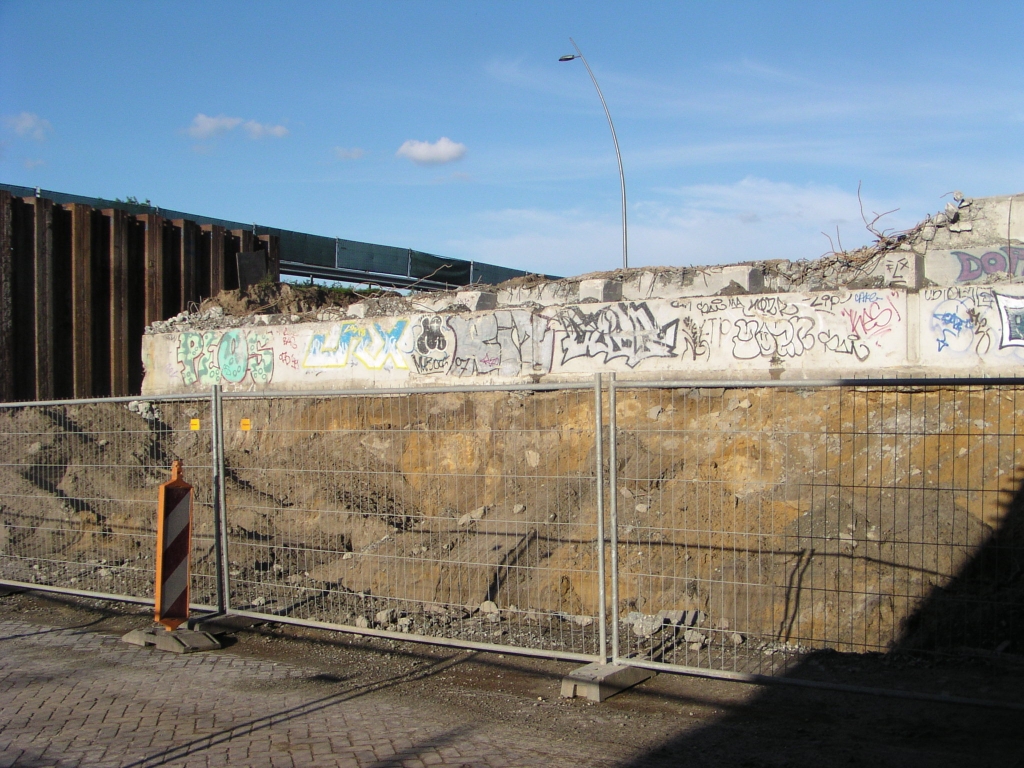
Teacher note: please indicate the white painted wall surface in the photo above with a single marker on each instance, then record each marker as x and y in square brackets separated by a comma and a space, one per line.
[796, 334]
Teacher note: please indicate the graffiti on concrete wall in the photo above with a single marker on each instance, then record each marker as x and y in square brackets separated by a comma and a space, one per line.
[371, 345]
[959, 319]
[975, 265]
[216, 357]
[628, 330]
[773, 328]
[504, 343]
[714, 333]
[1011, 314]
[781, 328]
[694, 340]
[432, 349]
[972, 324]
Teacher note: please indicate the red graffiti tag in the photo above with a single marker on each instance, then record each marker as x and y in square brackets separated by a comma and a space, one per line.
[875, 319]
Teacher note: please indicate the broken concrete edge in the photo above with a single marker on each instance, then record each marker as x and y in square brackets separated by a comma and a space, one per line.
[175, 641]
[599, 681]
[910, 260]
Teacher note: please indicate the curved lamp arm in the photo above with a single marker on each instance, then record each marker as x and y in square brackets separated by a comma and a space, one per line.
[615, 140]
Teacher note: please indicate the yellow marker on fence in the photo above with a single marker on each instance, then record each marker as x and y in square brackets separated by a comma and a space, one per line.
[193, 424]
[245, 425]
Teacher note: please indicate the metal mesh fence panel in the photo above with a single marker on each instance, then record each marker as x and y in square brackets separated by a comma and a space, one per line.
[464, 517]
[758, 525]
[78, 493]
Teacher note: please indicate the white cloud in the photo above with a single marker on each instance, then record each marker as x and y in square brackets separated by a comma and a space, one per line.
[259, 130]
[30, 164]
[444, 150]
[346, 153]
[752, 219]
[206, 127]
[29, 124]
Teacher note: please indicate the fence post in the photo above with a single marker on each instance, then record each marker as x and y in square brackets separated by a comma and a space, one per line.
[613, 492]
[220, 517]
[602, 610]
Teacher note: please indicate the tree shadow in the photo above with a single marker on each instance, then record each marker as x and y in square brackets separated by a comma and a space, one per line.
[950, 690]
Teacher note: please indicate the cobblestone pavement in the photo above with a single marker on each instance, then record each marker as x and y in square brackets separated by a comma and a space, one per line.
[74, 698]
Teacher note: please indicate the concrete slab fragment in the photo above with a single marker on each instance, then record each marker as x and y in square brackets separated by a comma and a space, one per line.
[601, 681]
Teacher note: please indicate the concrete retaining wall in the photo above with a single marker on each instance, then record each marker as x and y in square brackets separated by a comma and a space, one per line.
[795, 335]
[946, 297]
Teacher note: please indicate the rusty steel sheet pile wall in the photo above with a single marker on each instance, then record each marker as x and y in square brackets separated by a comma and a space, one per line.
[78, 286]
[78, 493]
[442, 515]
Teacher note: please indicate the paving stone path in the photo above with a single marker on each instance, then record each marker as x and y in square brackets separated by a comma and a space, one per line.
[74, 698]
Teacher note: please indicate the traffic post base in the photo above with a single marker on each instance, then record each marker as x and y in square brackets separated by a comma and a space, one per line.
[173, 641]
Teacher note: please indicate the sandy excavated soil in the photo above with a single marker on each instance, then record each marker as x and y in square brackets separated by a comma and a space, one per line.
[753, 525]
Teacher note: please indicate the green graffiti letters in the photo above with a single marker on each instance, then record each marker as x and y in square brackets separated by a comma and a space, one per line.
[190, 346]
[233, 356]
[213, 358]
[261, 357]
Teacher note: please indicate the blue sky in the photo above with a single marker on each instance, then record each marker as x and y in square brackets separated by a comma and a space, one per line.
[451, 127]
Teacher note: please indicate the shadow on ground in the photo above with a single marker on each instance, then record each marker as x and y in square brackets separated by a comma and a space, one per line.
[965, 642]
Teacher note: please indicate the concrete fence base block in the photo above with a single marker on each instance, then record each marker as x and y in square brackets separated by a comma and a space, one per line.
[178, 641]
[601, 681]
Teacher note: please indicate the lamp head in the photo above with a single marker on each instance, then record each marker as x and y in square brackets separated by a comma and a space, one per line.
[567, 57]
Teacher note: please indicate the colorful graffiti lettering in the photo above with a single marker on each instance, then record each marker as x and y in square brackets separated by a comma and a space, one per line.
[214, 357]
[876, 319]
[1008, 259]
[628, 331]
[958, 326]
[349, 344]
[289, 340]
[866, 297]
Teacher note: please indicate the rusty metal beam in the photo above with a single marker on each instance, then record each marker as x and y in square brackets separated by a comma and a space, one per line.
[81, 299]
[6, 299]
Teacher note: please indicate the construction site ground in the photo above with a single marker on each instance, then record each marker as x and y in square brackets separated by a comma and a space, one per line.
[72, 694]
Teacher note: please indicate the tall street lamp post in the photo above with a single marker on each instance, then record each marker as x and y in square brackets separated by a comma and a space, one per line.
[615, 140]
